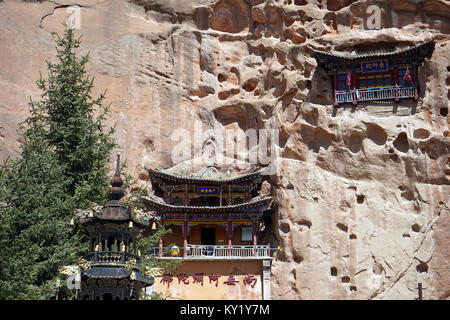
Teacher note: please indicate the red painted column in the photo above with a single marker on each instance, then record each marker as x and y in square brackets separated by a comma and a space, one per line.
[185, 226]
[254, 237]
[354, 85]
[185, 229]
[230, 226]
[334, 89]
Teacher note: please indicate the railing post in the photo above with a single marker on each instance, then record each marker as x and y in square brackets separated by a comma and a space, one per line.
[160, 247]
[254, 237]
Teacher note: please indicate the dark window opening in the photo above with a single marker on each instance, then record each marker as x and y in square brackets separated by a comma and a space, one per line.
[209, 202]
[208, 236]
[110, 244]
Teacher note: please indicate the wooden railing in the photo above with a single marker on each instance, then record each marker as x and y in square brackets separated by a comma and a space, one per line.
[111, 257]
[213, 251]
[372, 94]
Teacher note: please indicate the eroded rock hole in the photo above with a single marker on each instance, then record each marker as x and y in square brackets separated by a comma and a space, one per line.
[443, 111]
[353, 288]
[352, 236]
[333, 271]
[422, 267]
[421, 133]
[401, 142]
[285, 228]
[298, 259]
[250, 84]
[394, 157]
[376, 134]
[415, 227]
[342, 226]
[360, 198]
[221, 77]
[345, 279]
[304, 225]
[377, 269]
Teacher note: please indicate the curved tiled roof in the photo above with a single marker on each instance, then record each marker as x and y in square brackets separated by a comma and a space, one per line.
[159, 205]
[116, 273]
[339, 56]
[174, 178]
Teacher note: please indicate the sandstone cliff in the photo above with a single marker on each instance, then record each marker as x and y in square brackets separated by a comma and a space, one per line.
[364, 191]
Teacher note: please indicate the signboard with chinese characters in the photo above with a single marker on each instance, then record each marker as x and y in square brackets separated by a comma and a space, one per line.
[374, 66]
[208, 190]
[213, 280]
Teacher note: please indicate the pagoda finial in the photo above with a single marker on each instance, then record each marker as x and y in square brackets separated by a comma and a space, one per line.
[117, 182]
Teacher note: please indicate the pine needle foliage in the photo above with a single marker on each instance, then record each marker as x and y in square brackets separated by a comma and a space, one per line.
[73, 123]
[63, 164]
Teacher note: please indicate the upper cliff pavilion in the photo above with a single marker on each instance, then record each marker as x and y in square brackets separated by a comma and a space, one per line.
[377, 72]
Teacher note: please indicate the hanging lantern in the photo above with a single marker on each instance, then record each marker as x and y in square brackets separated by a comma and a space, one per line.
[71, 222]
[130, 224]
[154, 225]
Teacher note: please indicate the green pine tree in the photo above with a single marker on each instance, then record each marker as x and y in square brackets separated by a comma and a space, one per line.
[66, 112]
[64, 159]
[35, 235]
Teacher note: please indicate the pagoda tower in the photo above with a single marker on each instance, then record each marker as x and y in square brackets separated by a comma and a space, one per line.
[112, 267]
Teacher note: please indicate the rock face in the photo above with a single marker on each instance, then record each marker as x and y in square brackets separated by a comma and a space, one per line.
[363, 192]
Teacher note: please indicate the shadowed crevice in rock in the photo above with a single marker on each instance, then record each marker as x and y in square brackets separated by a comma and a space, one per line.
[376, 134]
[401, 142]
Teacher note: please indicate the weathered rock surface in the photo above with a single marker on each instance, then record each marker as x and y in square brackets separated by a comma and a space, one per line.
[364, 191]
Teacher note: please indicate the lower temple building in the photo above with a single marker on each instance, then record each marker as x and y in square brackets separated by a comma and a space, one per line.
[218, 222]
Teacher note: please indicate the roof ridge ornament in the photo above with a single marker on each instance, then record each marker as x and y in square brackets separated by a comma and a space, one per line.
[116, 183]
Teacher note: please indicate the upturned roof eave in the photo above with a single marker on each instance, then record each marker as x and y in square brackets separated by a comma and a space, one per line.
[156, 204]
[155, 173]
[342, 56]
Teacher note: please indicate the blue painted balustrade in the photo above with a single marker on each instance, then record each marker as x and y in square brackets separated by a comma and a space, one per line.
[372, 94]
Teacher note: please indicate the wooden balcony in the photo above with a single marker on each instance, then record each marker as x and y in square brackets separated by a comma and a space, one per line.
[373, 94]
[194, 251]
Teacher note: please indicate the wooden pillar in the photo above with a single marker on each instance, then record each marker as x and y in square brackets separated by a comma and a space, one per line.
[230, 226]
[334, 89]
[160, 247]
[185, 229]
[416, 83]
[185, 225]
[353, 75]
[254, 237]
[396, 83]
[419, 287]
[186, 196]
